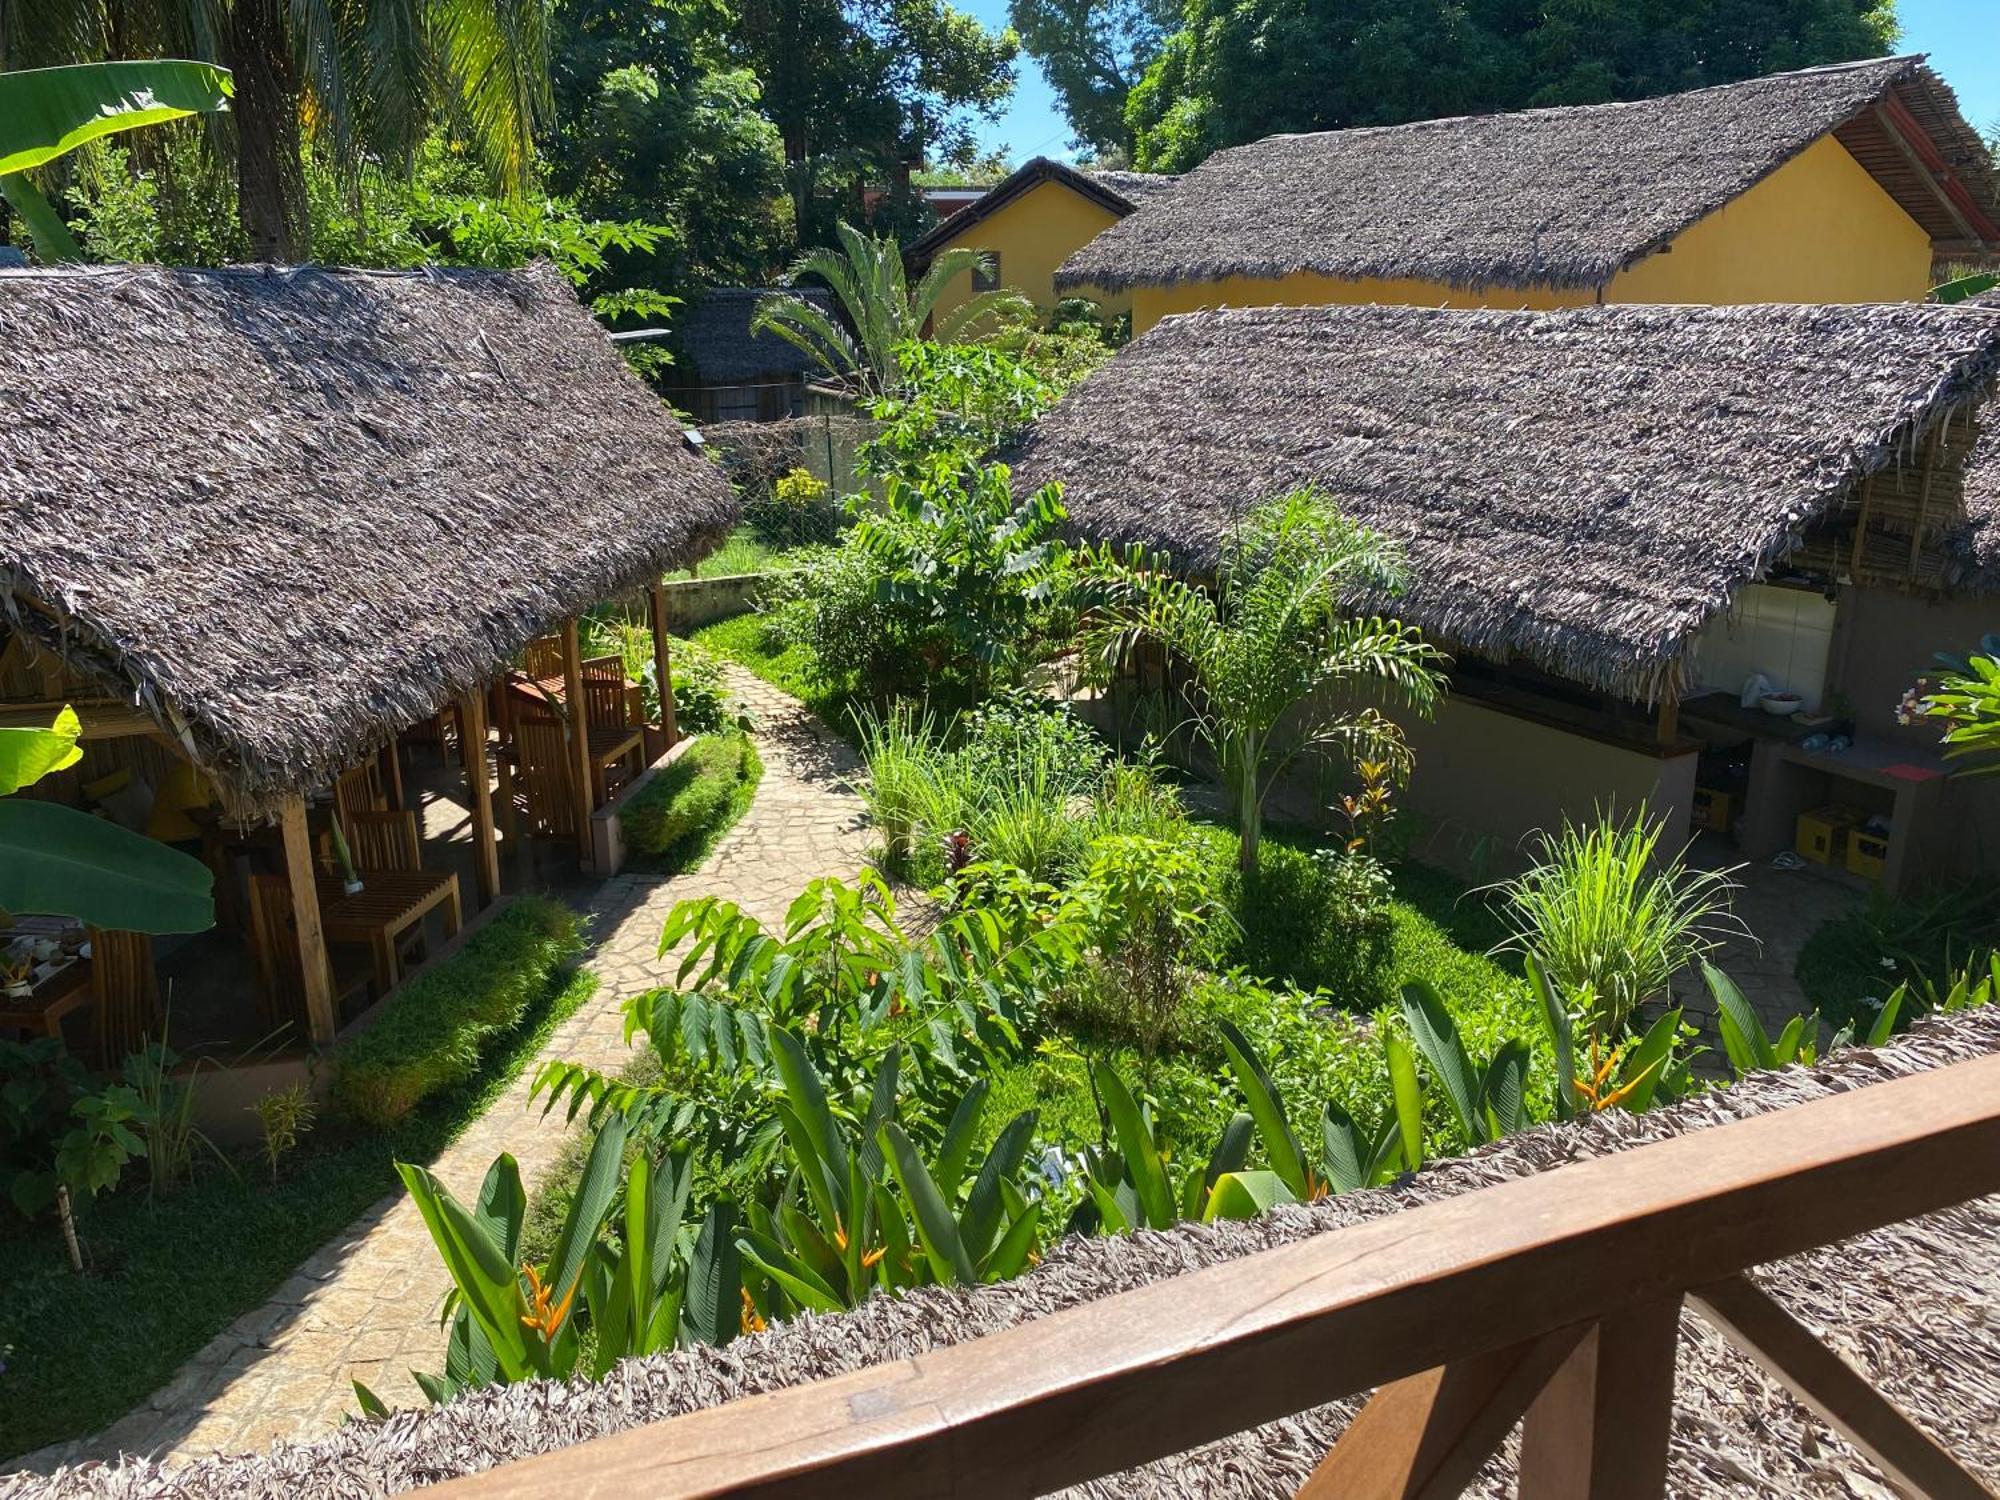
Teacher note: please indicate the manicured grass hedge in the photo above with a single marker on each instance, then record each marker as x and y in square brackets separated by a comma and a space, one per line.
[676, 819]
[433, 1032]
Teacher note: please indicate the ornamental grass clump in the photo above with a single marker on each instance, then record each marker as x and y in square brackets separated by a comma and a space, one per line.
[1609, 920]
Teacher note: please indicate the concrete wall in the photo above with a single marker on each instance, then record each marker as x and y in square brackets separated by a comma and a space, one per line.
[695, 602]
[1883, 641]
[1486, 780]
[1819, 229]
[1033, 235]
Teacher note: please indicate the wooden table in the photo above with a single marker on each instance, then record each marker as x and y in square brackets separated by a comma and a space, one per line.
[389, 903]
[42, 1009]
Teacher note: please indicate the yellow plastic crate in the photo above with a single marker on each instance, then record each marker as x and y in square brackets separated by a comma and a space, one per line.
[1867, 853]
[1822, 833]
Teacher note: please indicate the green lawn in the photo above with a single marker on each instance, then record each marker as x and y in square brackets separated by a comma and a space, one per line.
[167, 1277]
[743, 552]
[673, 824]
[744, 640]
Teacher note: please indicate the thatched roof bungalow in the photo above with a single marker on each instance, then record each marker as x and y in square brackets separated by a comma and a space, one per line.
[1587, 497]
[1031, 220]
[1911, 1306]
[289, 512]
[728, 374]
[263, 521]
[1835, 184]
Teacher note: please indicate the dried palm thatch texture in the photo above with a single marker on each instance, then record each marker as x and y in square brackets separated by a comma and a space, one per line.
[1581, 488]
[1541, 198]
[714, 336]
[293, 511]
[1117, 192]
[1916, 1306]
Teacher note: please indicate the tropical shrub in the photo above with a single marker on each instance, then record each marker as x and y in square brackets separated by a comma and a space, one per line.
[1277, 667]
[1966, 700]
[1610, 920]
[883, 310]
[701, 695]
[431, 1032]
[677, 816]
[1320, 919]
[965, 400]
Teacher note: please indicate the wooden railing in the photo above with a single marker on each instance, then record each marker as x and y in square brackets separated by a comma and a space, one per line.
[1555, 1297]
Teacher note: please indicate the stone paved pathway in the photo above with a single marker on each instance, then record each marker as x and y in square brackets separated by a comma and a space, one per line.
[365, 1306]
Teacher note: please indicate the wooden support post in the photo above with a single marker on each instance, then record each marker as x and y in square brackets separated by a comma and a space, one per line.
[663, 663]
[1670, 720]
[390, 763]
[1599, 1429]
[1931, 455]
[1425, 1437]
[1830, 1386]
[579, 739]
[472, 724]
[1861, 528]
[314, 965]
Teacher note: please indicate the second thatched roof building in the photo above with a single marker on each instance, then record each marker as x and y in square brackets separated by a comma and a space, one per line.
[1617, 518]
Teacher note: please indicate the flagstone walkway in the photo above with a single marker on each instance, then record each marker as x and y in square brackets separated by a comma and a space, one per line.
[366, 1305]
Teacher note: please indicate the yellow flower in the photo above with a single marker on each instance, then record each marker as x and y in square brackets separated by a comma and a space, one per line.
[542, 1317]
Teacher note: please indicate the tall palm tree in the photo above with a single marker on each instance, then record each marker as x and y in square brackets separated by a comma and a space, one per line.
[1280, 666]
[866, 276]
[361, 79]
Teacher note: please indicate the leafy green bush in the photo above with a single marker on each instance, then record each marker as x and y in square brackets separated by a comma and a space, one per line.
[1317, 919]
[701, 697]
[678, 815]
[431, 1034]
[1850, 966]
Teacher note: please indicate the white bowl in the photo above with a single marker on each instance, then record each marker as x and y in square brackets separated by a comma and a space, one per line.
[1783, 704]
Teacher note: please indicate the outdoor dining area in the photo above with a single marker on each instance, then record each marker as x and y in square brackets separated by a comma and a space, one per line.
[363, 701]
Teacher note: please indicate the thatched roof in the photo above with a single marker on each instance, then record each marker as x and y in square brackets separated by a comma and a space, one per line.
[714, 336]
[1915, 1306]
[1117, 192]
[1584, 488]
[1541, 198]
[291, 511]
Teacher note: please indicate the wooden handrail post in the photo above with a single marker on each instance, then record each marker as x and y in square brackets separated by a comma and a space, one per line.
[663, 662]
[579, 739]
[315, 967]
[1599, 1429]
[472, 723]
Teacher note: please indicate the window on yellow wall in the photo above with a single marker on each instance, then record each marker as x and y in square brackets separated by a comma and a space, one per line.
[986, 275]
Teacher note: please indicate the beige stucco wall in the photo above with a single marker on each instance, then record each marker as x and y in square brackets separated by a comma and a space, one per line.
[1487, 776]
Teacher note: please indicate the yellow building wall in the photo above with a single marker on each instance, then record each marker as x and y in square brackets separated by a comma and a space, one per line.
[1033, 235]
[1819, 229]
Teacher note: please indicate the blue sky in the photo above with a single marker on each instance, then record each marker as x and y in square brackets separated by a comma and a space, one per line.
[1964, 45]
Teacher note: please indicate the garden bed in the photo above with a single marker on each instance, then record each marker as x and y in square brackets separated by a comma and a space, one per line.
[167, 1276]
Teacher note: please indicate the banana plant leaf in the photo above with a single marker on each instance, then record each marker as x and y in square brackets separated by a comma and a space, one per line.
[45, 112]
[27, 755]
[63, 862]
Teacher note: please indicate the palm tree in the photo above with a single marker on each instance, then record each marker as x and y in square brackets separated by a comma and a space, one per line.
[1279, 666]
[867, 279]
[361, 79]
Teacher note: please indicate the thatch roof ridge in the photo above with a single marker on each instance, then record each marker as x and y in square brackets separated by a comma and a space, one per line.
[1561, 197]
[1584, 488]
[290, 511]
[1917, 1306]
[1117, 192]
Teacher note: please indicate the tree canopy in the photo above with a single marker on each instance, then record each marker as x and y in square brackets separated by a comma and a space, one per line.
[1238, 70]
[1092, 52]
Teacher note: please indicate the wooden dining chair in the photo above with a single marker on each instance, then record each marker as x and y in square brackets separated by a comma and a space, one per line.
[543, 777]
[359, 789]
[125, 993]
[543, 657]
[615, 738]
[384, 841]
[280, 972]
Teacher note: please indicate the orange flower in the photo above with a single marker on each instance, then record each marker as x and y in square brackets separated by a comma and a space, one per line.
[751, 1321]
[542, 1317]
